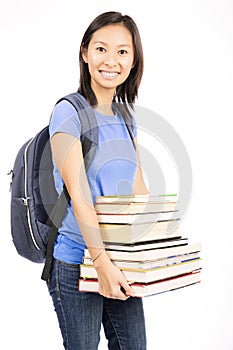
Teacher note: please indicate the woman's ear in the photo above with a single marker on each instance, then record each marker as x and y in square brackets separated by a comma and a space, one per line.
[133, 64]
[84, 54]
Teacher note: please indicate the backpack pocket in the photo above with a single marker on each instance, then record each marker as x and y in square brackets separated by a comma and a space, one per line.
[24, 238]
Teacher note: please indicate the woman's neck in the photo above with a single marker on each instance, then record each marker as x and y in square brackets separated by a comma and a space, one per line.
[104, 100]
[105, 109]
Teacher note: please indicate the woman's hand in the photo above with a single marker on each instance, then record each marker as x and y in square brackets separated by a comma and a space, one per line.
[112, 282]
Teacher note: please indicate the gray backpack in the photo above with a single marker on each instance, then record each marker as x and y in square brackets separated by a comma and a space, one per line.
[36, 209]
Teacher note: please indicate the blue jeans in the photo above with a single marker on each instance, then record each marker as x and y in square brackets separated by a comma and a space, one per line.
[80, 314]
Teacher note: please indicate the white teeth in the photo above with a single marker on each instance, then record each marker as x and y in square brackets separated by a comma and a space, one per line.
[109, 74]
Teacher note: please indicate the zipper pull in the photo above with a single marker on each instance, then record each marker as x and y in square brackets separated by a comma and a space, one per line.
[10, 172]
[25, 201]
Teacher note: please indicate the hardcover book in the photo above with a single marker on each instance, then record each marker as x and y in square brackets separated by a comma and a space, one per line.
[149, 275]
[150, 264]
[145, 245]
[135, 232]
[148, 289]
[152, 254]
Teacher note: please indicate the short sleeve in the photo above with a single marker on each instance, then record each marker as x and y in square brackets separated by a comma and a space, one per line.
[65, 119]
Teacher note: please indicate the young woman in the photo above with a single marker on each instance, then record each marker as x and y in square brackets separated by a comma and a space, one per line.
[111, 67]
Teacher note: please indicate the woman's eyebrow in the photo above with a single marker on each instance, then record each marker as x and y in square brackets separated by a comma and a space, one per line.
[106, 44]
[99, 42]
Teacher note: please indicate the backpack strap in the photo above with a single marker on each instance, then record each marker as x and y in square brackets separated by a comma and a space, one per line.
[130, 130]
[89, 126]
[55, 222]
[124, 110]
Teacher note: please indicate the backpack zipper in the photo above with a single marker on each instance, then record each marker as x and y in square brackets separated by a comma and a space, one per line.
[27, 198]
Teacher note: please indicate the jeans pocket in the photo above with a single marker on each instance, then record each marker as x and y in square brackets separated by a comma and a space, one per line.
[66, 279]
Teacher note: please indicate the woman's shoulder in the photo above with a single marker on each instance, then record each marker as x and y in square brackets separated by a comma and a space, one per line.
[63, 109]
[64, 118]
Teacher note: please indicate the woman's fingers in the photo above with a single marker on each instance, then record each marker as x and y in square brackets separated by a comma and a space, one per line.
[127, 289]
[122, 290]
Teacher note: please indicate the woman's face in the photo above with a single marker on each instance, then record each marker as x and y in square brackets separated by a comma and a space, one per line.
[110, 57]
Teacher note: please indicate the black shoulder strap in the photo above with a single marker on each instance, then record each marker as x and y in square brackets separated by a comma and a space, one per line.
[89, 139]
[55, 221]
[123, 110]
[89, 126]
[130, 130]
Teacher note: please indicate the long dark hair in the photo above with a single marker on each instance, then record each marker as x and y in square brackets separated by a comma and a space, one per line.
[128, 90]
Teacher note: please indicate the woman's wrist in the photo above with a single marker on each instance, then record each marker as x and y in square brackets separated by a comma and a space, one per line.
[102, 259]
[100, 251]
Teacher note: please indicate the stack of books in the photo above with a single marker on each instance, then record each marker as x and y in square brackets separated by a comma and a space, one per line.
[141, 235]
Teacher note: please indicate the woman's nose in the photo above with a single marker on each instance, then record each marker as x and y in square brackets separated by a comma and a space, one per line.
[110, 59]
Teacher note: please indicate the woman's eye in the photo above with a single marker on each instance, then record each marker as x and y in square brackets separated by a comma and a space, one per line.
[100, 49]
[122, 52]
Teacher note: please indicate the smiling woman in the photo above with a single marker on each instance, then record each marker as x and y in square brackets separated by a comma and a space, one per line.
[111, 66]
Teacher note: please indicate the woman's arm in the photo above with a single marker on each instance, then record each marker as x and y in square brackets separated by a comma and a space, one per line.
[139, 186]
[67, 153]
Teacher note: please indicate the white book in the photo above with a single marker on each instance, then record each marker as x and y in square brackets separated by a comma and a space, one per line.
[150, 264]
[135, 207]
[143, 290]
[138, 232]
[163, 243]
[150, 275]
[137, 218]
[139, 198]
[152, 254]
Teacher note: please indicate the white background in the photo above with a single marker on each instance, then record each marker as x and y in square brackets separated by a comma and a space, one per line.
[188, 80]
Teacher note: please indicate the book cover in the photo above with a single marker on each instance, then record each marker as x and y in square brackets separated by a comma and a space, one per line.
[137, 218]
[150, 264]
[152, 254]
[144, 290]
[141, 198]
[145, 245]
[135, 232]
[150, 275]
[135, 207]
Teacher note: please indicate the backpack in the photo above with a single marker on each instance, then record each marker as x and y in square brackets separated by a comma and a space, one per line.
[36, 209]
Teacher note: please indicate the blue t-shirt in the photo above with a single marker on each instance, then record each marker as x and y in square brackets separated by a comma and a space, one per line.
[111, 172]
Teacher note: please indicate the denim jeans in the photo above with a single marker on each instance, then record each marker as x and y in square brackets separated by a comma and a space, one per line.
[80, 314]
